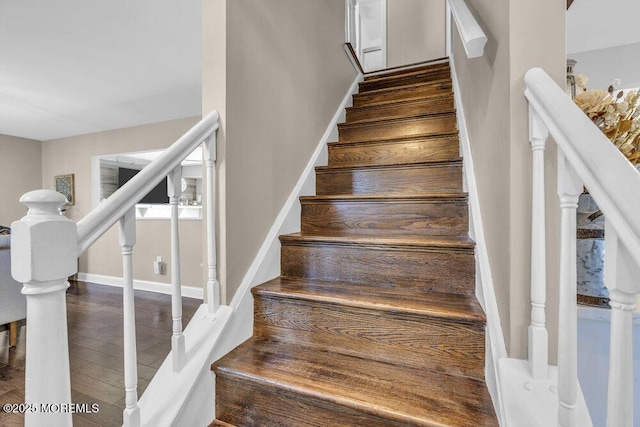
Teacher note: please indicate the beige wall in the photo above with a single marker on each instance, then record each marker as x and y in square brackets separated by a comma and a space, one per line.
[286, 74]
[492, 89]
[538, 39]
[20, 172]
[73, 155]
[415, 31]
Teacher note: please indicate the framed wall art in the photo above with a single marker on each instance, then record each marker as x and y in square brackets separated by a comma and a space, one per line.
[65, 184]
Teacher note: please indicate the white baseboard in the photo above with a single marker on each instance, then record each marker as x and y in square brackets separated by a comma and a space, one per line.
[142, 285]
[496, 349]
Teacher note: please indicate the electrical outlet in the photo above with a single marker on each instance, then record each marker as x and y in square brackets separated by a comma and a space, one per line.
[158, 266]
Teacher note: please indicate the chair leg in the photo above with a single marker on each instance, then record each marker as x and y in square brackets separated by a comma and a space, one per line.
[13, 334]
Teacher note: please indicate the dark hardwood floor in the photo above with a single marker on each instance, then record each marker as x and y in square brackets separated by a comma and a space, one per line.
[96, 350]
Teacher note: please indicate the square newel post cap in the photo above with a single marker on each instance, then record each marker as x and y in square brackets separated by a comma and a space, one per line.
[44, 244]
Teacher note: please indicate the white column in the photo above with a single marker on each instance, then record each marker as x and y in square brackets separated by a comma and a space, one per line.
[177, 338]
[538, 336]
[44, 249]
[131, 413]
[569, 189]
[621, 277]
[214, 291]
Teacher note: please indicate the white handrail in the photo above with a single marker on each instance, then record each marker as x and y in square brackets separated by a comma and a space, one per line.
[610, 178]
[473, 38]
[98, 221]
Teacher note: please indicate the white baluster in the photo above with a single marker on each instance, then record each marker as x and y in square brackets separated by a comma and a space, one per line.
[177, 338]
[44, 247]
[569, 189]
[131, 413]
[538, 336]
[214, 291]
[621, 275]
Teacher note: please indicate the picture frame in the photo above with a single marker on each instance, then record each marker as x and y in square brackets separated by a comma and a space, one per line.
[65, 184]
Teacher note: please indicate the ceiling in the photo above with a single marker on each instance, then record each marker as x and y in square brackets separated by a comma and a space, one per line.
[70, 67]
[600, 24]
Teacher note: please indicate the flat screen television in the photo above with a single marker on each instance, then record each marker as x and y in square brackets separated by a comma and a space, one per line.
[158, 195]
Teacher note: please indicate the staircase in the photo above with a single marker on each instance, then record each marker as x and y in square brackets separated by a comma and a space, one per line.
[374, 319]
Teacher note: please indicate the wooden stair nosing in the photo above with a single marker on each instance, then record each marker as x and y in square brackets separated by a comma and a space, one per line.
[435, 163]
[387, 198]
[435, 397]
[422, 244]
[431, 136]
[458, 307]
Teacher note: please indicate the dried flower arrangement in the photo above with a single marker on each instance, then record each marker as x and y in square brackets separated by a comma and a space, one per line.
[618, 116]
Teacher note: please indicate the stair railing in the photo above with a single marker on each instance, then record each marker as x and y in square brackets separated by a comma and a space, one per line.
[471, 34]
[45, 247]
[586, 158]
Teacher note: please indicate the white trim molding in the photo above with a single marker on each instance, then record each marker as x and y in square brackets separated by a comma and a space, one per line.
[141, 285]
[496, 349]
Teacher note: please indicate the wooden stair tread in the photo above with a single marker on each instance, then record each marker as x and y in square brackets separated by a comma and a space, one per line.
[400, 103]
[387, 243]
[388, 121]
[447, 81]
[404, 79]
[396, 393]
[392, 94]
[462, 308]
[390, 74]
[391, 141]
[329, 168]
[392, 198]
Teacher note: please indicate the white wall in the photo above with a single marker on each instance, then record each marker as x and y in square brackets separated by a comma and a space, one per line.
[602, 66]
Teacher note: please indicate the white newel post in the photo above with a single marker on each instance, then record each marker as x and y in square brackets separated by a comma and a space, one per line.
[621, 277]
[131, 413]
[177, 338]
[538, 336]
[569, 189]
[214, 291]
[44, 249]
